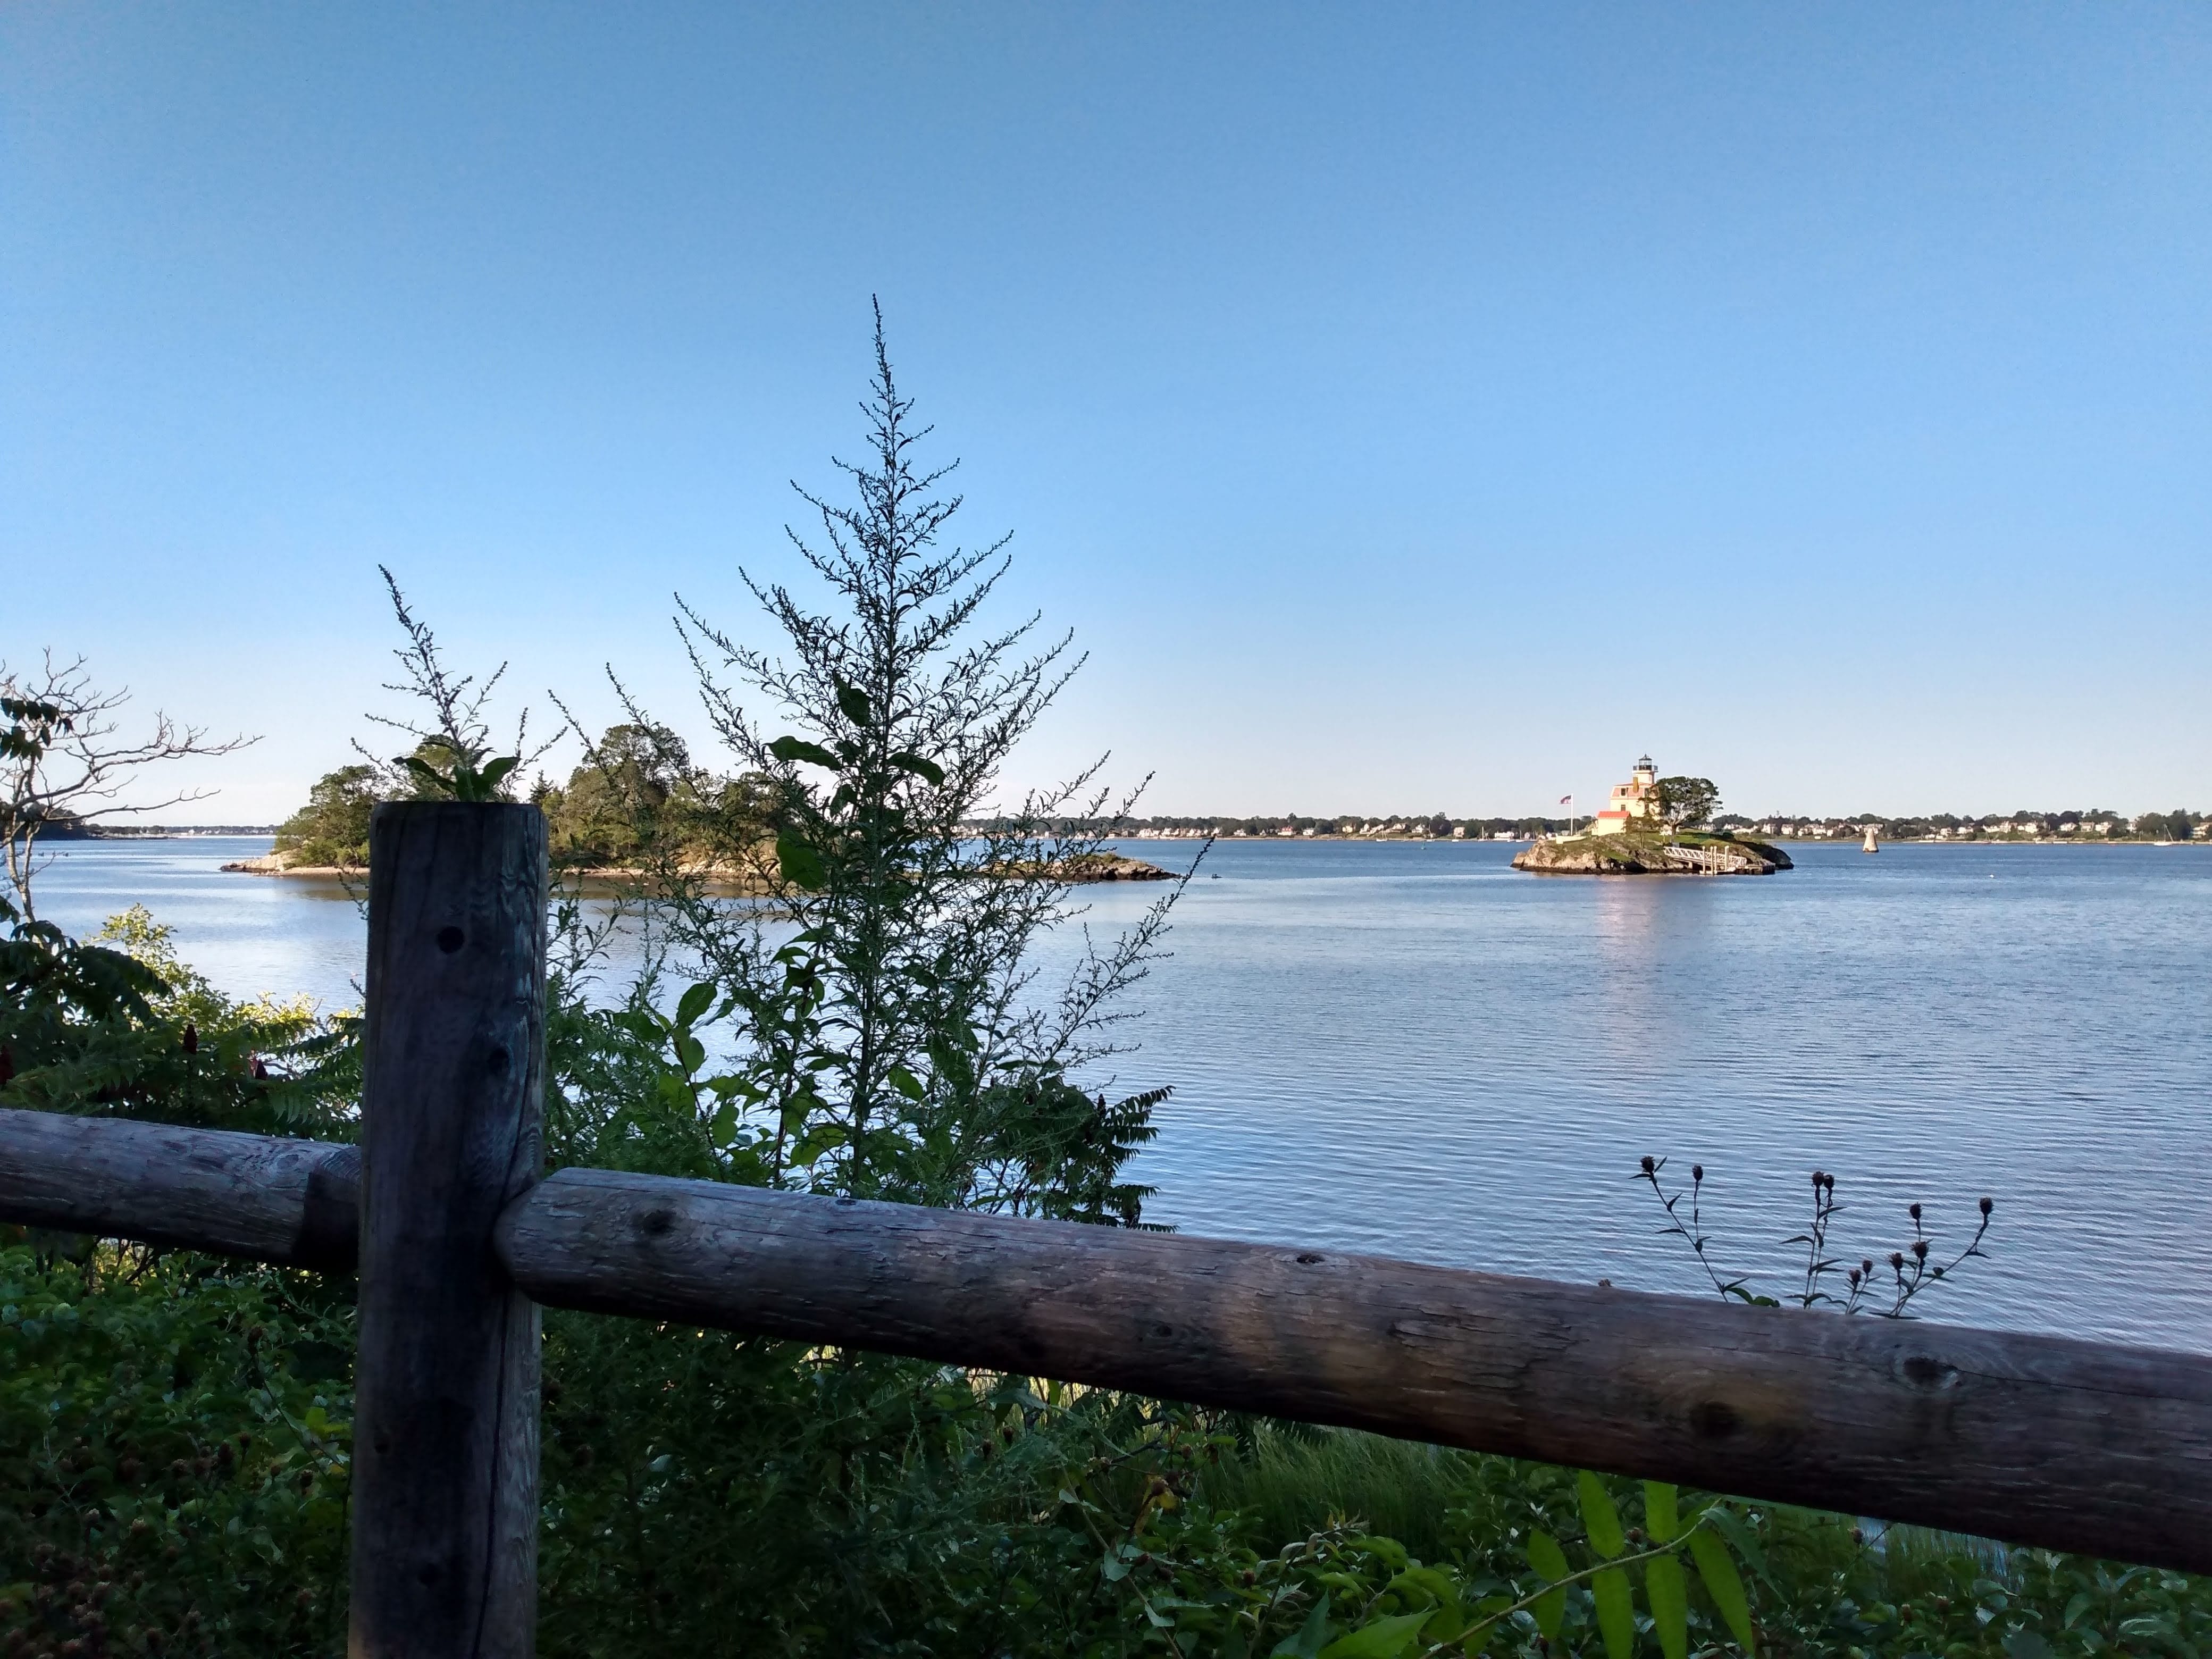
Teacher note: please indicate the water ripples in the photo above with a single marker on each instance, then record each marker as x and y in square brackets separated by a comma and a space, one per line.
[1412, 1050]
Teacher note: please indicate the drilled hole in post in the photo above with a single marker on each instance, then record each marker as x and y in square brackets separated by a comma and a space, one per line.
[450, 940]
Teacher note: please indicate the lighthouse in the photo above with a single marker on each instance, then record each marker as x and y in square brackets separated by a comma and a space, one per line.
[1638, 799]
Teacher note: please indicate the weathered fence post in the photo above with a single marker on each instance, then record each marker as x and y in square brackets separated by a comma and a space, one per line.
[445, 1541]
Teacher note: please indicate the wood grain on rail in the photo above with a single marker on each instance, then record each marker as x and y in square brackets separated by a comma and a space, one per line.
[290, 1202]
[2092, 1447]
[2083, 1446]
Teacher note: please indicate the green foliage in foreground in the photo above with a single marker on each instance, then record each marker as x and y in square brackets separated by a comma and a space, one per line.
[173, 1436]
[173, 1441]
[173, 1454]
[119, 1026]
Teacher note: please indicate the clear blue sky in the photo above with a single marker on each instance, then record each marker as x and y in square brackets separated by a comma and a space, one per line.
[1411, 407]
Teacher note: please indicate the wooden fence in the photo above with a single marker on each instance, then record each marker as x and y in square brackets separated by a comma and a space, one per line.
[2092, 1447]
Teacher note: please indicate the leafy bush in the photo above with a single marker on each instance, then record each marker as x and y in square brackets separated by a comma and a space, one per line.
[173, 1455]
[119, 1026]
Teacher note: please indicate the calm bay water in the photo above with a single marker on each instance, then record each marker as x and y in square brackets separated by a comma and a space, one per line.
[1411, 1049]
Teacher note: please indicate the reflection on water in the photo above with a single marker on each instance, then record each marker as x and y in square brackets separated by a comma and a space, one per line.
[1413, 1050]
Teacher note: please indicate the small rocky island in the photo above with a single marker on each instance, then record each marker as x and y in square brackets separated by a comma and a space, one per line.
[1638, 835]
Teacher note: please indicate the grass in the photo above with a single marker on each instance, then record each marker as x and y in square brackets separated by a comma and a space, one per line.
[1821, 1583]
[1296, 1481]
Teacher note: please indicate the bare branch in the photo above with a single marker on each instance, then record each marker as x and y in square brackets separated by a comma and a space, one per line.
[65, 763]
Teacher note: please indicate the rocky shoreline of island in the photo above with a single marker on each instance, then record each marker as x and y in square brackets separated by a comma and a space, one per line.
[1084, 870]
[1630, 854]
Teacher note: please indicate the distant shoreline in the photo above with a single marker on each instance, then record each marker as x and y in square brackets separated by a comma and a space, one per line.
[212, 832]
[726, 880]
[1794, 840]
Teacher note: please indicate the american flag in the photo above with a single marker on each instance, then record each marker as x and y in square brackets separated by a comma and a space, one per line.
[1566, 800]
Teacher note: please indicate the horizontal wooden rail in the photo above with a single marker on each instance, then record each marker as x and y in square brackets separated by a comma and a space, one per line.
[296, 1203]
[2091, 1447]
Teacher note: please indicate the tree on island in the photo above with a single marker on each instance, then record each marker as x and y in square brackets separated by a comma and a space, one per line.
[1685, 801]
[332, 828]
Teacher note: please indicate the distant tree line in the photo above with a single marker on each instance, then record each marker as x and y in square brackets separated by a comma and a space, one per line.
[1691, 804]
[636, 797]
[1416, 826]
[2092, 824]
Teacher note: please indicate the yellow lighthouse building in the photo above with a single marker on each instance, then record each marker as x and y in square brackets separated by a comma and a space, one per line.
[1637, 798]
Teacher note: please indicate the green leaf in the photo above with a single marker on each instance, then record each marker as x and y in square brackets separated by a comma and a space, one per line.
[494, 770]
[1392, 1553]
[2027, 1644]
[905, 1082]
[854, 702]
[1306, 1643]
[1550, 1562]
[801, 865]
[1717, 1568]
[427, 773]
[1660, 1517]
[1427, 1581]
[1739, 1536]
[1670, 1604]
[797, 748]
[818, 1141]
[907, 760]
[695, 1002]
[1598, 1515]
[1384, 1639]
[690, 1053]
[1616, 1612]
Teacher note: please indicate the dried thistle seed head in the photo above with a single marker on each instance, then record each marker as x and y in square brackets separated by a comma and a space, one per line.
[1897, 1260]
[1920, 1248]
[1697, 1172]
[1648, 1166]
[1828, 1182]
[1987, 1207]
[1854, 1278]
[1867, 1266]
[1817, 1179]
